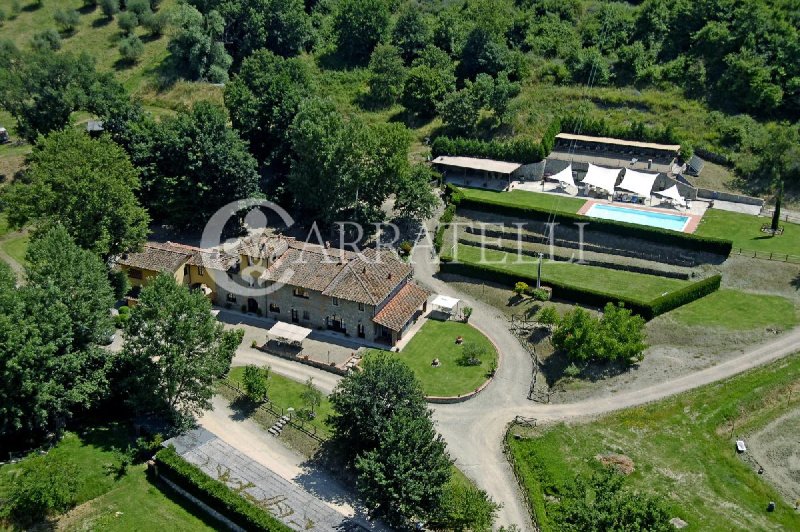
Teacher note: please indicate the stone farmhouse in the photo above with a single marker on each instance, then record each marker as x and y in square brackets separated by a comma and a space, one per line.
[369, 295]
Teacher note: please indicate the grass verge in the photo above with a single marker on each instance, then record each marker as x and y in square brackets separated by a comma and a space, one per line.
[682, 449]
[745, 232]
[522, 198]
[739, 311]
[437, 339]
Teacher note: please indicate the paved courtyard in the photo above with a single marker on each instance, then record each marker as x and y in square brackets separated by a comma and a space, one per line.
[297, 508]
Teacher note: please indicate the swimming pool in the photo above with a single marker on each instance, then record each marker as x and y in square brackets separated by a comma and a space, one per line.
[675, 222]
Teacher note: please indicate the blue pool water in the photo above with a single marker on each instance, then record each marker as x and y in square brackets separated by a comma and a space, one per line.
[675, 222]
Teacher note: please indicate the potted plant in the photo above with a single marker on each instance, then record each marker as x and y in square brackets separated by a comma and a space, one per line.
[467, 313]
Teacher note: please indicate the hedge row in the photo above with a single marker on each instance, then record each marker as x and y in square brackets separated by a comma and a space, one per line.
[654, 234]
[646, 309]
[601, 127]
[215, 493]
[523, 150]
[685, 295]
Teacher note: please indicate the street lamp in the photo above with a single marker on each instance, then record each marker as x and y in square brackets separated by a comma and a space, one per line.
[539, 274]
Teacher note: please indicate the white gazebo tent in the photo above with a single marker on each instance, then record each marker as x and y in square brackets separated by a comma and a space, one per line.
[288, 333]
[673, 195]
[564, 177]
[445, 304]
[603, 178]
[640, 183]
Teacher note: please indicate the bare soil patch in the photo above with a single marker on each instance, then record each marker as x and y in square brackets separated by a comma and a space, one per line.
[776, 448]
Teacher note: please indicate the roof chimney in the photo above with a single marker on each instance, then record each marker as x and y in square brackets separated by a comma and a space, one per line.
[389, 276]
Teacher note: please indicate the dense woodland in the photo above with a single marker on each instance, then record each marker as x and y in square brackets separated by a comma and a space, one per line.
[472, 68]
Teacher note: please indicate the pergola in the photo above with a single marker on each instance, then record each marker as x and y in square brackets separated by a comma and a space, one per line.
[289, 333]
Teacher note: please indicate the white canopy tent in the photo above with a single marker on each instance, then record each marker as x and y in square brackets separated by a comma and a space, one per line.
[640, 183]
[289, 333]
[672, 194]
[564, 177]
[445, 302]
[599, 177]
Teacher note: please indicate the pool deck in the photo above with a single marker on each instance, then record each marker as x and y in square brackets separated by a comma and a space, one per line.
[691, 225]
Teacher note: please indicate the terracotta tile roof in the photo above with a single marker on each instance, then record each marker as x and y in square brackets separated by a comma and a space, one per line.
[157, 257]
[262, 246]
[369, 279]
[306, 269]
[396, 313]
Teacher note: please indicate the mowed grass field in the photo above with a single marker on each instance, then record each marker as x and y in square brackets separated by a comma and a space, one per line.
[619, 283]
[437, 339]
[130, 503]
[682, 449]
[738, 311]
[745, 232]
[287, 393]
[522, 198]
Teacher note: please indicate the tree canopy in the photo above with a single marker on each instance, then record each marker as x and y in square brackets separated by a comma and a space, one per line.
[360, 26]
[41, 89]
[87, 185]
[50, 362]
[353, 167]
[191, 164]
[175, 348]
[263, 99]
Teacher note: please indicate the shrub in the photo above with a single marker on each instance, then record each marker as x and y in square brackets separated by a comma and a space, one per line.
[155, 23]
[15, 9]
[467, 313]
[127, 22]
[521, 287]
[46, 40]
[138, 6]
[67, 20]
[109, 7]
[618, 336]
[540, 294]
[406, 247]
[131, 48]
[255, 381]
[215, 494]
[2, 17]
[548, 316]
[471, 355]
[45, 484]
[572, 371]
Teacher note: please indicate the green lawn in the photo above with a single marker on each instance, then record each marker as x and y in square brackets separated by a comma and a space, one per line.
[682, 449]
[143, 505]
[740, 311]
[437, 339]
[522, 198]
[745, 232]
[619, 283]
[287, 393]
[17, 246]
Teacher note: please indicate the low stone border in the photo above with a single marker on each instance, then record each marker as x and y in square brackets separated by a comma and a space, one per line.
[436, 399]
[307, 361]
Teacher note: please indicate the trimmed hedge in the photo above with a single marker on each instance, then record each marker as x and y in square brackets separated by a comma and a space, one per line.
[646, 309]
[523, 150]
[654, 234]
[685, 295]
[601, 127]
[215, 493]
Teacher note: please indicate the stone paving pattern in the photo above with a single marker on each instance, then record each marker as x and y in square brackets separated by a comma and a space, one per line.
[297, 508]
